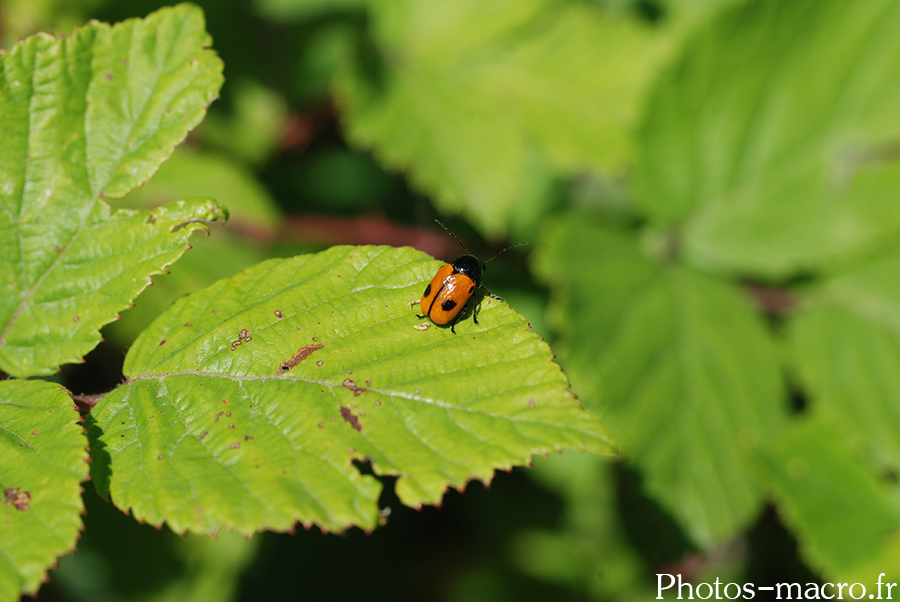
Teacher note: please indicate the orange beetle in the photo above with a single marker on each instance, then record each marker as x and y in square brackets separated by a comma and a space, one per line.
[453, 287]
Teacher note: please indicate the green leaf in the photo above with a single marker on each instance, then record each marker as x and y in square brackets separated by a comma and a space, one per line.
[842, 516]
[676, 363]
[845, 343]
[253, 128]
[84, 118]
[209, 259]
[591, 537]
[481, 102]
[44, 460]
[247, 402]
[55, 320]
[767, 141]
[250, 210]
[190, 173]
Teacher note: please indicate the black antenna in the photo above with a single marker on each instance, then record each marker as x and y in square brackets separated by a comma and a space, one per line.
[504, 251]
[450, 232]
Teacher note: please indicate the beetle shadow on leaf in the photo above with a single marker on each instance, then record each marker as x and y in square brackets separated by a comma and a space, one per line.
[465, 315]
[474, 305]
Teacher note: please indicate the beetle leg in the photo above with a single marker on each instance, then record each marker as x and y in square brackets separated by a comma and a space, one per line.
[455, 320]
[461, 312]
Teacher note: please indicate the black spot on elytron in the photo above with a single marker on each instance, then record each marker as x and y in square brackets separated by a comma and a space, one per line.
[427, 290]
[448, 304]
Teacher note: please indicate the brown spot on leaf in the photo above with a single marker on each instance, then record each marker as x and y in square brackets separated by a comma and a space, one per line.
[350, 417]
[302, 354]
[162, 342]
[350, 384]
[19, 500]
[234, 445]
[243, 337]
[278, 314]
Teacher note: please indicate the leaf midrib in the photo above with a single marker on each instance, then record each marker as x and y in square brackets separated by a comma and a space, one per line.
[334, 386]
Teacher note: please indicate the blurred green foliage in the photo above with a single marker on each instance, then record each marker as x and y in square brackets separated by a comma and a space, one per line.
[711, 190]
